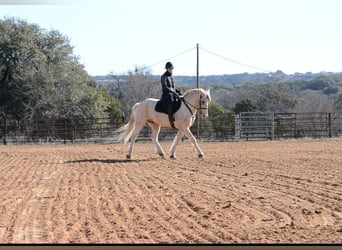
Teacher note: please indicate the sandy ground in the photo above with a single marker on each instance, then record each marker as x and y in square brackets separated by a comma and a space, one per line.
[241, 192]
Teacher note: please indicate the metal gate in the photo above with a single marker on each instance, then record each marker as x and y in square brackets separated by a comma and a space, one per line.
[254, 126]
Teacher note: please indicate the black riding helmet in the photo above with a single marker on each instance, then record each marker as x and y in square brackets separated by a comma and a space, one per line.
[168, 65]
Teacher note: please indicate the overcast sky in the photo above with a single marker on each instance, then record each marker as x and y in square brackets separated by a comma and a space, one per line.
[234, 36]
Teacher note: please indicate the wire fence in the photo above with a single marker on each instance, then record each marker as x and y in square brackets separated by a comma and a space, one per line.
[244, 126]
[273, 126]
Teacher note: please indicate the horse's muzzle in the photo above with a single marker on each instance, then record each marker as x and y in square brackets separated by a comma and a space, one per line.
[203, 113]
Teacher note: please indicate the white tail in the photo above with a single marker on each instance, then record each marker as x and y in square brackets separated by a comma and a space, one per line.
[127, 129]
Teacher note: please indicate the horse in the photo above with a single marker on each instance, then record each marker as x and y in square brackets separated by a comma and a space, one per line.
[144, 112]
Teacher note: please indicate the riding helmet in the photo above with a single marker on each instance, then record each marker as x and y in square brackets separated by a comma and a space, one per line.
[168, 65]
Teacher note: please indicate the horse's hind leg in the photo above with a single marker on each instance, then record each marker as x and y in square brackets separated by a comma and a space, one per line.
[177, 139]
[138, 127]
[155, 133]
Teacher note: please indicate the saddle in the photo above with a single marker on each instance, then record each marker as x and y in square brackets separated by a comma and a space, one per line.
[162, 105]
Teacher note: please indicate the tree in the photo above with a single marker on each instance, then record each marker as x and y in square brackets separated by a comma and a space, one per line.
[19, 58]
[338, 104]
[244, 106]
[134, 87]
[313, 101]
[328, 85]
[110, 107]
[274, 98]
[220, 119]
[41, 78]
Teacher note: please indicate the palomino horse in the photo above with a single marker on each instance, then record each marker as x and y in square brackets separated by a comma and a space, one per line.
[193, 100]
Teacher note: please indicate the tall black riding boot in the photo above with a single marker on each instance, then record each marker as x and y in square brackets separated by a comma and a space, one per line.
[171, 117]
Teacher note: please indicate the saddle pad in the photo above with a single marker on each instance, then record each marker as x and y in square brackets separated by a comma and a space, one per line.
[162, 106]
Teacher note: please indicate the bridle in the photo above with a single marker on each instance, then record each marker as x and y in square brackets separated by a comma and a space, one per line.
[199, 107]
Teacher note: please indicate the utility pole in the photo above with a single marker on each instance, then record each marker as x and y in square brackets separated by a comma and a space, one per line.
[197, 86]
[197, 68]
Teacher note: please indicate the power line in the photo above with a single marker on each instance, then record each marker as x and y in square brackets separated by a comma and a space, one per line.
[209, 52]
[169, 58]
[234, 61]
[163, 61]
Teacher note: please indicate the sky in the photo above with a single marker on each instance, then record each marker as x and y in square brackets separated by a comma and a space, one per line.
[233, 36]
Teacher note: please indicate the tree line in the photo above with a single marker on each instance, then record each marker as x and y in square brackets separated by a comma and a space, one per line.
[321, 94]
[42, 80]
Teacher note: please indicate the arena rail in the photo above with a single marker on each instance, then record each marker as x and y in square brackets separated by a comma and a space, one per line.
[244, 126]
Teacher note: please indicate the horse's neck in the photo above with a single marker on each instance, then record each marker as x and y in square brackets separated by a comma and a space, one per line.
[192, 97]
[193, 94]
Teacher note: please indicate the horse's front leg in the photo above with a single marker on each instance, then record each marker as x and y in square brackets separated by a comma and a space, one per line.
[178, 137]
[194, 142]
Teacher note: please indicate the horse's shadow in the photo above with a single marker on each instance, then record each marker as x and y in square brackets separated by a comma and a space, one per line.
[107, 161]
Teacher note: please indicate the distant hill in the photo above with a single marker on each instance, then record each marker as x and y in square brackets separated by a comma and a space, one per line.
[257, 78]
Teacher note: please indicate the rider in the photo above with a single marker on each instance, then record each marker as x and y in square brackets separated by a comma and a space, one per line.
[170, 93]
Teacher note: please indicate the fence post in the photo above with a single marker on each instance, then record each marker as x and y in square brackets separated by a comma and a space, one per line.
[273, 122]
[101, 137]
[5, 131]
[65, 128]
[237, 127]
[74, 130]
[295, 127]
[329, 125]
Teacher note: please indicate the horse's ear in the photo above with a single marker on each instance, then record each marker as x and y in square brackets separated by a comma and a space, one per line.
[208, 94]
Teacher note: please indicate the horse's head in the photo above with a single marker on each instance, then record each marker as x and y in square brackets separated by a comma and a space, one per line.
[204, 101]
[199, 99]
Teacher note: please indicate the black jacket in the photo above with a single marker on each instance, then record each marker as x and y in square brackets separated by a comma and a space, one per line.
[167, 83]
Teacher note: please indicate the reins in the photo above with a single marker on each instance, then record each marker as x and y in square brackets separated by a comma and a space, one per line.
[187, 103]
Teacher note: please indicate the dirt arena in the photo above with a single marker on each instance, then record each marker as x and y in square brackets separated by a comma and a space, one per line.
[241, 192]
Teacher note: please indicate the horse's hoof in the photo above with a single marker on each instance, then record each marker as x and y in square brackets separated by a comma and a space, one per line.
[128, 157]
[161, 155]
[200, 156]
[172, 157]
